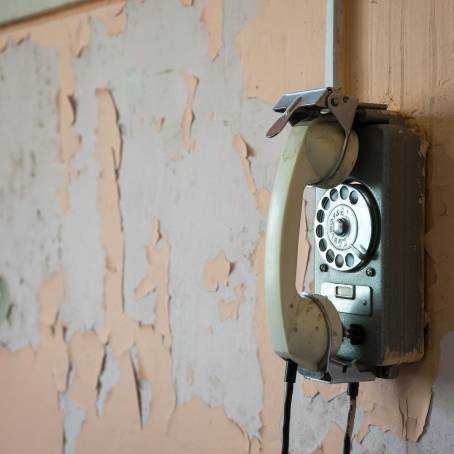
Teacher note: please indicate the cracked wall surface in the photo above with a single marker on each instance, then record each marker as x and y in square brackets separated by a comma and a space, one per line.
[134, 190]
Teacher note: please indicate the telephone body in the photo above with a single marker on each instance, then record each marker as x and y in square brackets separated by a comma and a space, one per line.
[366, 316]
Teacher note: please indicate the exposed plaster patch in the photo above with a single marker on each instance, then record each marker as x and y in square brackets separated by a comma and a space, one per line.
[82, 228]
[30, 218]
[229, 310]
[216, 272]
[143, 388]
[188, 115]
[72, 425]
[213, 18]
[244, 152]
[117, 328]
[69, 36]
[146, 396]
[109, 377]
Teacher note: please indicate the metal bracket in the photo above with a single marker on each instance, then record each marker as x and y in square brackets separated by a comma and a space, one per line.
[309, 104]
[312, 103]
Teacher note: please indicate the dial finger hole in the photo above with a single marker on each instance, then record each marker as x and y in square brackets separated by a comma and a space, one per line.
[349, 260]
[320, 215]
[334, 195]
[344, 192]
[325, 203]
[353, 197]
[322, 245]
[339, 261]
[319, 231]
[330, 256]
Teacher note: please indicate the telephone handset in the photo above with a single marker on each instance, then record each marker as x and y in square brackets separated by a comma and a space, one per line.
[366, 316]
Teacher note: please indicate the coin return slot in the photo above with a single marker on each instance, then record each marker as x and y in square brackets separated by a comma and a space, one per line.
[345, 291]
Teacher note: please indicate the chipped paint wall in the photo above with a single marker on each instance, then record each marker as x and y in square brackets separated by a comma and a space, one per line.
[134, 189]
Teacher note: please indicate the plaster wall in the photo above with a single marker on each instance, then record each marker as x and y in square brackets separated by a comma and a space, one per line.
[134, 187]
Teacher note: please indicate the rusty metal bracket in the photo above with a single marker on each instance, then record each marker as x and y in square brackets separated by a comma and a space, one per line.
[305, 105]
[309, 104]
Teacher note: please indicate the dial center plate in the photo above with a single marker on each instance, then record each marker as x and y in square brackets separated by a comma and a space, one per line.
[342, 215]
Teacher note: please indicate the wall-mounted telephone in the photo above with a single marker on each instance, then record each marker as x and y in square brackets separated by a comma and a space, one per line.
[366, 316]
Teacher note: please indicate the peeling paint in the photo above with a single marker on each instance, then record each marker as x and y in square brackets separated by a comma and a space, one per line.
[216, 272]
[74, 419]
[137, 340]
[108, 378]
[332, 442]
[229, 310]
[244, 152]
[51, 295]
[117, 328]
[212, 17]
[188, 115]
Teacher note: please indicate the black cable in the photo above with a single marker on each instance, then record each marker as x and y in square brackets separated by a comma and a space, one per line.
[352, 391]
[290, 377]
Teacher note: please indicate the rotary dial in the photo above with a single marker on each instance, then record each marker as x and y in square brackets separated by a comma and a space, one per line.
[345, 227]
